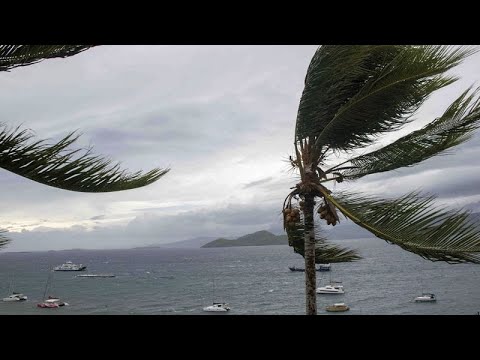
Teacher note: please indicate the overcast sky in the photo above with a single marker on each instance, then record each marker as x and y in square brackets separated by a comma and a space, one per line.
[222, 117]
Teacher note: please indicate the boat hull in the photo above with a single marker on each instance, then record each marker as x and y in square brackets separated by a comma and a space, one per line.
[303, 270]
[13, 300]
[330, 292]
[213, 309]
[334, 308]
[79, 269]
[329, 289]
[217, 307]
[51, 305]
[97, 276]
[48, 305]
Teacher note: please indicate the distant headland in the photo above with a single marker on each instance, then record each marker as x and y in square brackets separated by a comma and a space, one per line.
[259, 238]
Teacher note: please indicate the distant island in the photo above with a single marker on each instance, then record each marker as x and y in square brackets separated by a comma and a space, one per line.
[259, 238]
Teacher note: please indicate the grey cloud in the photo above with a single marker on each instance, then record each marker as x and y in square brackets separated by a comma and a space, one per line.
[228, 221]
[145, 229]
[258, 182]
[98, 217]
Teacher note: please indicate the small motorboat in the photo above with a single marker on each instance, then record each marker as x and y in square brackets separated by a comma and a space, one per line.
[426, 297]
[338, 307]
[323, 267]
[217, 307]
[15, 297]
[331, 289]
[293, 268]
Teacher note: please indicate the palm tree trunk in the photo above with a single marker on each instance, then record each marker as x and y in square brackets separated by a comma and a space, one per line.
[310, 271]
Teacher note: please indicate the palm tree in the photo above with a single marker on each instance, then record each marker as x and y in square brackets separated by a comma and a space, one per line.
[57, 164]
[352, 95]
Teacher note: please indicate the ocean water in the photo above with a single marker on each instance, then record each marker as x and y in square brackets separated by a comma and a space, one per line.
[253, 280]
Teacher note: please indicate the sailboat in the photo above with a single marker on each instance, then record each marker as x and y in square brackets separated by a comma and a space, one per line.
[15, 296]
[52, 301]
[217, 306]
[332, 288]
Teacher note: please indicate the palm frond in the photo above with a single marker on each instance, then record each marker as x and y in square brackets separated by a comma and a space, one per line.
[3, 239]
[324, 252]
[12, 56]
[354, 92]
[412, 223]
[335, 74]
[57, 166]
[454, 127]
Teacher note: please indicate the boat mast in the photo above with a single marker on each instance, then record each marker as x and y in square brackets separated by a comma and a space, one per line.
[11, 284]
[46, 285]
[213, 292]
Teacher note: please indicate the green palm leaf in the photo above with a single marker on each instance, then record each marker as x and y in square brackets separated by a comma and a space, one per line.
[12, 56]
[452, 128]
[3, 240]
[412, 223]
[57, 166]
[335, 74]
[354, 92]
[324, 252]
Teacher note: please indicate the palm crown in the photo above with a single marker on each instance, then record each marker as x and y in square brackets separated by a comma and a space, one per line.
[352, 95]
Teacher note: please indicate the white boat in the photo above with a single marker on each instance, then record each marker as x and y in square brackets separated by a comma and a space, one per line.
[15, 297]
[51, 302]
[426, 297]
[217, 307]
[323, 267]
[337, 307]
[69, 266]
[97, 275]
[330, 289]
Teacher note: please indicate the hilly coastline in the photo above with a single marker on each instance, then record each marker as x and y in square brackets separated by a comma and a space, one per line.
[259, 238]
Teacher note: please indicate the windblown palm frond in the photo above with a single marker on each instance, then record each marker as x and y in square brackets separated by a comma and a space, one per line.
[412, 223]
[56, 166]
[324, 252]
[12, 56]
[452, 128]
[3, 240]
[354, 92]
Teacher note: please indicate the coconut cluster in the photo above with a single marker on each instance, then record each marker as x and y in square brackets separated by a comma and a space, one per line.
[327, 214]
[291, 216]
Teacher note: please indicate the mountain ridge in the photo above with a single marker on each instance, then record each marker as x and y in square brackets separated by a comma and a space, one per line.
[259, 238]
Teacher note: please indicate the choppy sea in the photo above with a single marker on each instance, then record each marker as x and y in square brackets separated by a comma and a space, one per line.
[253, 280]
